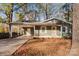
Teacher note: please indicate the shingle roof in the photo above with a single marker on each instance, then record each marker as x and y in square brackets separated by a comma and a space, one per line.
[45, 22]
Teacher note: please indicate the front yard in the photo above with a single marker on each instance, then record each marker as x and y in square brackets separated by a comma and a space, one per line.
[44, 47]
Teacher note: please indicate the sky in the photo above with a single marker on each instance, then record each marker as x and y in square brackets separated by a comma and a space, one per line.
[31, 6]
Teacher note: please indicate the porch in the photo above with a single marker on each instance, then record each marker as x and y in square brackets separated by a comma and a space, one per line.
[46, 31]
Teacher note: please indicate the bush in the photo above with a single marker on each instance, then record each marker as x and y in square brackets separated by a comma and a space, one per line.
[6, 35]
[68, 36]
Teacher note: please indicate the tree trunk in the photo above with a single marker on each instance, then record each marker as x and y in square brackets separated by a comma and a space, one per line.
[10, 20]
[46, 12]
[75, 35]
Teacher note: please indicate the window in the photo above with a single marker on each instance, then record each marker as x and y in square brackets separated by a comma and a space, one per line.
[53, 28]
[63, 29]
[37, 27]
[58, 28]
[48, 27]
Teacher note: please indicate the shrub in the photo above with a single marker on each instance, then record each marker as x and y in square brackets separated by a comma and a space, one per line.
[6, 35]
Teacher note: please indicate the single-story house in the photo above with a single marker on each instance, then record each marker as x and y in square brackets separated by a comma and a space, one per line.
[53, 28]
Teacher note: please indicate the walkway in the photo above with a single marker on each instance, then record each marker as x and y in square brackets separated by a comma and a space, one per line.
[8, 46]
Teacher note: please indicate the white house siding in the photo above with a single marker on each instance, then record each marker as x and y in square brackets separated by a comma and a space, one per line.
[48, 33]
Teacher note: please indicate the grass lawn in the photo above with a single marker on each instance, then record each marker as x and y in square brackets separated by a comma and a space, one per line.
[44, 47]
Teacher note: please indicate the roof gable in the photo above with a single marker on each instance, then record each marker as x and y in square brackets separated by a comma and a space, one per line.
[54, 20]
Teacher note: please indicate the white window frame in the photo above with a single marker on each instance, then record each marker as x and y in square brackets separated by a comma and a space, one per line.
[65, 29]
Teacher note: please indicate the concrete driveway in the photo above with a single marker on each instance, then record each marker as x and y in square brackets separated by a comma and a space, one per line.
[8, 46]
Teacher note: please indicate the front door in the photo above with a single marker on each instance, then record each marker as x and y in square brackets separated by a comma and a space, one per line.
[32, 31]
